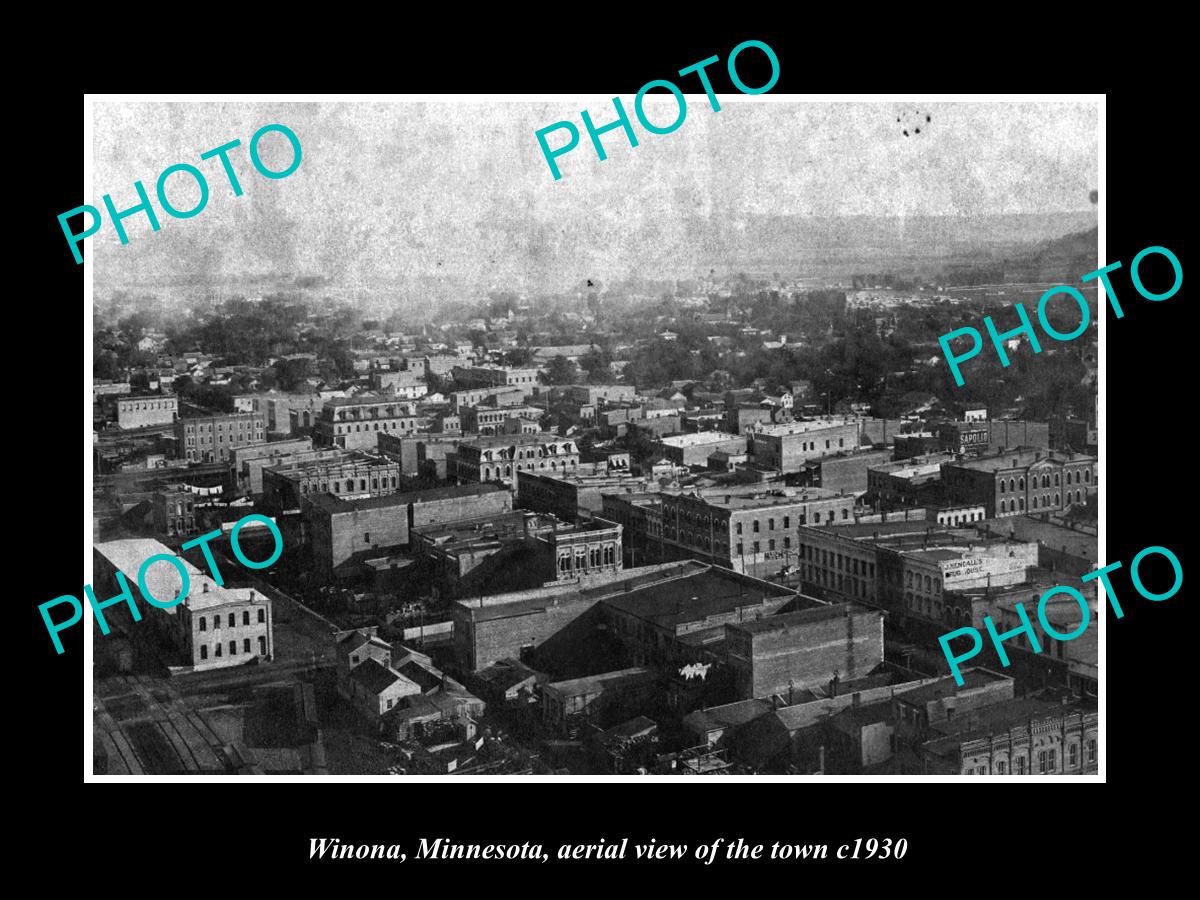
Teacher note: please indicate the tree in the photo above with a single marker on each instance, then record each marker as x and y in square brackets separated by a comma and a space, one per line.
[561, 371]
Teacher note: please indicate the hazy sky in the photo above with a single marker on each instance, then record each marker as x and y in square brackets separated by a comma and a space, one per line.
[425, 198]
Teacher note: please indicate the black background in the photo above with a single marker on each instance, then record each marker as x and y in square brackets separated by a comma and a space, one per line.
[978, 832]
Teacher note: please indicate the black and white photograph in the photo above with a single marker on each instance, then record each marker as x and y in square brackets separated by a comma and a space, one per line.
[424, 445]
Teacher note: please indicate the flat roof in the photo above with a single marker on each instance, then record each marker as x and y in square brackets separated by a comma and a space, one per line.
[591, 683]
[696, 596]
[1024, 456]
[983, 721]
[973, 679]
[332, 504]
[699, 439]
[803, 617]
[162, 579]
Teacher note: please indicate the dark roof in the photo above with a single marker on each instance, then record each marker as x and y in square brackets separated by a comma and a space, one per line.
[695, 596]
[803, 617]
[738, 713]
[424, 678]
[997, 718]
[374, 676]
[356, 639]
[332, 504]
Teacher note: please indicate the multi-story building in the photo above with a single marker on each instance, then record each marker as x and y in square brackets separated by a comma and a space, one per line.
[141, 412]
[788, 446]
[496, 396]
[246, 464]
[343, 533]
[497, 376]
[214, 626]
[211, 438]
[483, 419]
[980, 436]
[500, 457]
[979, 728]
[1023, 481]
[795, 650]
[353, 476]
[693, 449]
[751, 531]
[909, 568]
[578, 491]
[174, 510]
[355, 423]
[906, 482]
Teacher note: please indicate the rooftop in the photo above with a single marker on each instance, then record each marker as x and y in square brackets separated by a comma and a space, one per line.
[802, 617]
[375, 676]
[593, 683]
[1020, 458]
[331, 504]
[699, 439]
[997, 718]
[973, 679]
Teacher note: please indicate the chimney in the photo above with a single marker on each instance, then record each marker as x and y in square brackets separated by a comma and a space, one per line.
[205, 591]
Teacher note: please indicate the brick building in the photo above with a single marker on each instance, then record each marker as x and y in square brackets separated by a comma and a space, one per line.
[211, 438]
[693, 449]
[776, 654]
[1023, 481]
[500, 457]
[174, 510]
[246, 464]
[579, 491]
[343, 533]
[353, 476]
[789, 446]
[355, 423]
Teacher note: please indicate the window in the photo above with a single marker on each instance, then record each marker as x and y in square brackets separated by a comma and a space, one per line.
[1002, 488]
[1091, 749]
[354, 659]
[203, 624]
[389, 704]
[970, 771]
[1087, 475]
[366, 537]
[787, 543]
[845, 513]
[1003, 506]
[740, 549]
[204, 651]
[1020, 483]
[1042, 762]
[787, 522]
[262, 646]
[217, 621]
[1073, 755]
[262, 615]
[1002, 768]
[233, 648]
[1020, 765]
[771, 544]
[1050, 754]
[756, 526]
[246, 645]
[770, 524]
[217, 651]
[1056, 479]
[756, 546]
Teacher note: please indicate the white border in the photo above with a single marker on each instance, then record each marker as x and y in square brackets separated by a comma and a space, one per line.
[1100, 100]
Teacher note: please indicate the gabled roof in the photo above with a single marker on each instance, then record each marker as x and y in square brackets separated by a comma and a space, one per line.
[376, 677]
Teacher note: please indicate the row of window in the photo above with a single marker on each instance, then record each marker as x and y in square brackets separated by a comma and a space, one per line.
[325, 486]
[262, 617]
[1018, 505]
[233, 648]
[149, 404]
[242, 424]
[400, 425]
[1013, 485]
[833, 560]
[756, 546]
[1047, 761]
[592, 558]
[508, 470]
[191, 441]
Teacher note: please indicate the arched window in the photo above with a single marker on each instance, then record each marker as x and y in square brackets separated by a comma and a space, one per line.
[1003, 487]
[1057, 480]
[203, 624]
[1035, 503]
[1078, 496]
[1087, 475]
[1057, 501]
[1003, 506]
[487, 473]
[246, 617]
[349, 484]
[1021, 481]
[1021, 501]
